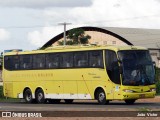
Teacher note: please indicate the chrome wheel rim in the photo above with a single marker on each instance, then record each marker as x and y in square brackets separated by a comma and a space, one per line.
[40, 96]
[101, 97]
[28, 97]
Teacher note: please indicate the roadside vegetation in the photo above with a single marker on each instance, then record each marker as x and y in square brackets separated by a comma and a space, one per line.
[158, 81]
[144, 109]
[1, 93]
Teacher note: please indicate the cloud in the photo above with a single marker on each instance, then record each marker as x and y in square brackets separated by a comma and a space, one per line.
[102, 13]
[118, 13]
[44, 3]
[4, 35]
[39, 38]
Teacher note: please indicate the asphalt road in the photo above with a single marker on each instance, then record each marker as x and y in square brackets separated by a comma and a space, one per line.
[78, 105]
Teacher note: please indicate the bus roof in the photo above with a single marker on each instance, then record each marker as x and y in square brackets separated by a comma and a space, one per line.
[77, 48]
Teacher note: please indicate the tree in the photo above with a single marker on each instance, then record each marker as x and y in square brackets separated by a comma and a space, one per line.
[76, 36]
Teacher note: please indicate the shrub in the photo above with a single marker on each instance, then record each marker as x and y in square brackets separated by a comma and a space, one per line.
[158, 87]
[1, 92]
[158, 80]
[157, 74]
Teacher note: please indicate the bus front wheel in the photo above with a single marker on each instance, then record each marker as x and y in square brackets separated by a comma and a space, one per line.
[101, 97]
[130, 102]
[40, 96]
[28, 96]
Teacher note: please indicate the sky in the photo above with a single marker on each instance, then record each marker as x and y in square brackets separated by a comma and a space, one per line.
[29, 24]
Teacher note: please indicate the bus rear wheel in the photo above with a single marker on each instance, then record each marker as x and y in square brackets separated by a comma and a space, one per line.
[40, 96]
[130, 102]
[101, 97]
[68, 101]
[28, 96]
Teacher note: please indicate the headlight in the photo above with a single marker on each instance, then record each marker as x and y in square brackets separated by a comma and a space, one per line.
[152, 89]
[130, 91]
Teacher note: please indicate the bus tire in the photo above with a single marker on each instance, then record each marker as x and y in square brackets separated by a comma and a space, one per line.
[40, 96]
[101, 97]
[130, 102]
[68, 101]
[28, 96]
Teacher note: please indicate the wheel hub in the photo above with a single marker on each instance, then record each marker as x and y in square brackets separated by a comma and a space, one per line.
[40, 96]
[29, 97]
[101, 96]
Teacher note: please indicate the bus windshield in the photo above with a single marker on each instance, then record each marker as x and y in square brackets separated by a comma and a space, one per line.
[137, 67]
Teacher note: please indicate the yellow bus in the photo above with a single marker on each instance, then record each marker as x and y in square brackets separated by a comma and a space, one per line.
[104, 73]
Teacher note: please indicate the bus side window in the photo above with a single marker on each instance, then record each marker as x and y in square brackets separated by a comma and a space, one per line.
[66, 60]
[112, 66]
[7, 62]
[52, 60]
[96, 59]
[11, 62]
[39, 61]
[25, 62]
[81, 59]
[15, 62]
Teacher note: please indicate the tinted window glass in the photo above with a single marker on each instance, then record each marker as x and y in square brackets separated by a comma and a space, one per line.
[52, 60]
[66, 60]
[81, 59]
[15, 60]
[95, 59]
[55, 60]
[8, 62]
[39, 61]
[25, 62]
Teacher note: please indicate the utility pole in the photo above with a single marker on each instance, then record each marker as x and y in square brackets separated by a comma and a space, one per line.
[64, 35]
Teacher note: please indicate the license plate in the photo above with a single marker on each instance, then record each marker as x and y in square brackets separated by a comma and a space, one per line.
[142, 96]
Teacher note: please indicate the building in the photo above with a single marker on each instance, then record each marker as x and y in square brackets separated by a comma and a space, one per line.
[149, 38]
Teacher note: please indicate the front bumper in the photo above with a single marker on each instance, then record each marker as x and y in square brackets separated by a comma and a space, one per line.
[138, 95]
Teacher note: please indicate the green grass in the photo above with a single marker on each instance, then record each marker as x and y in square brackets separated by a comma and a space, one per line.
[10, 100]
[144, 109]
